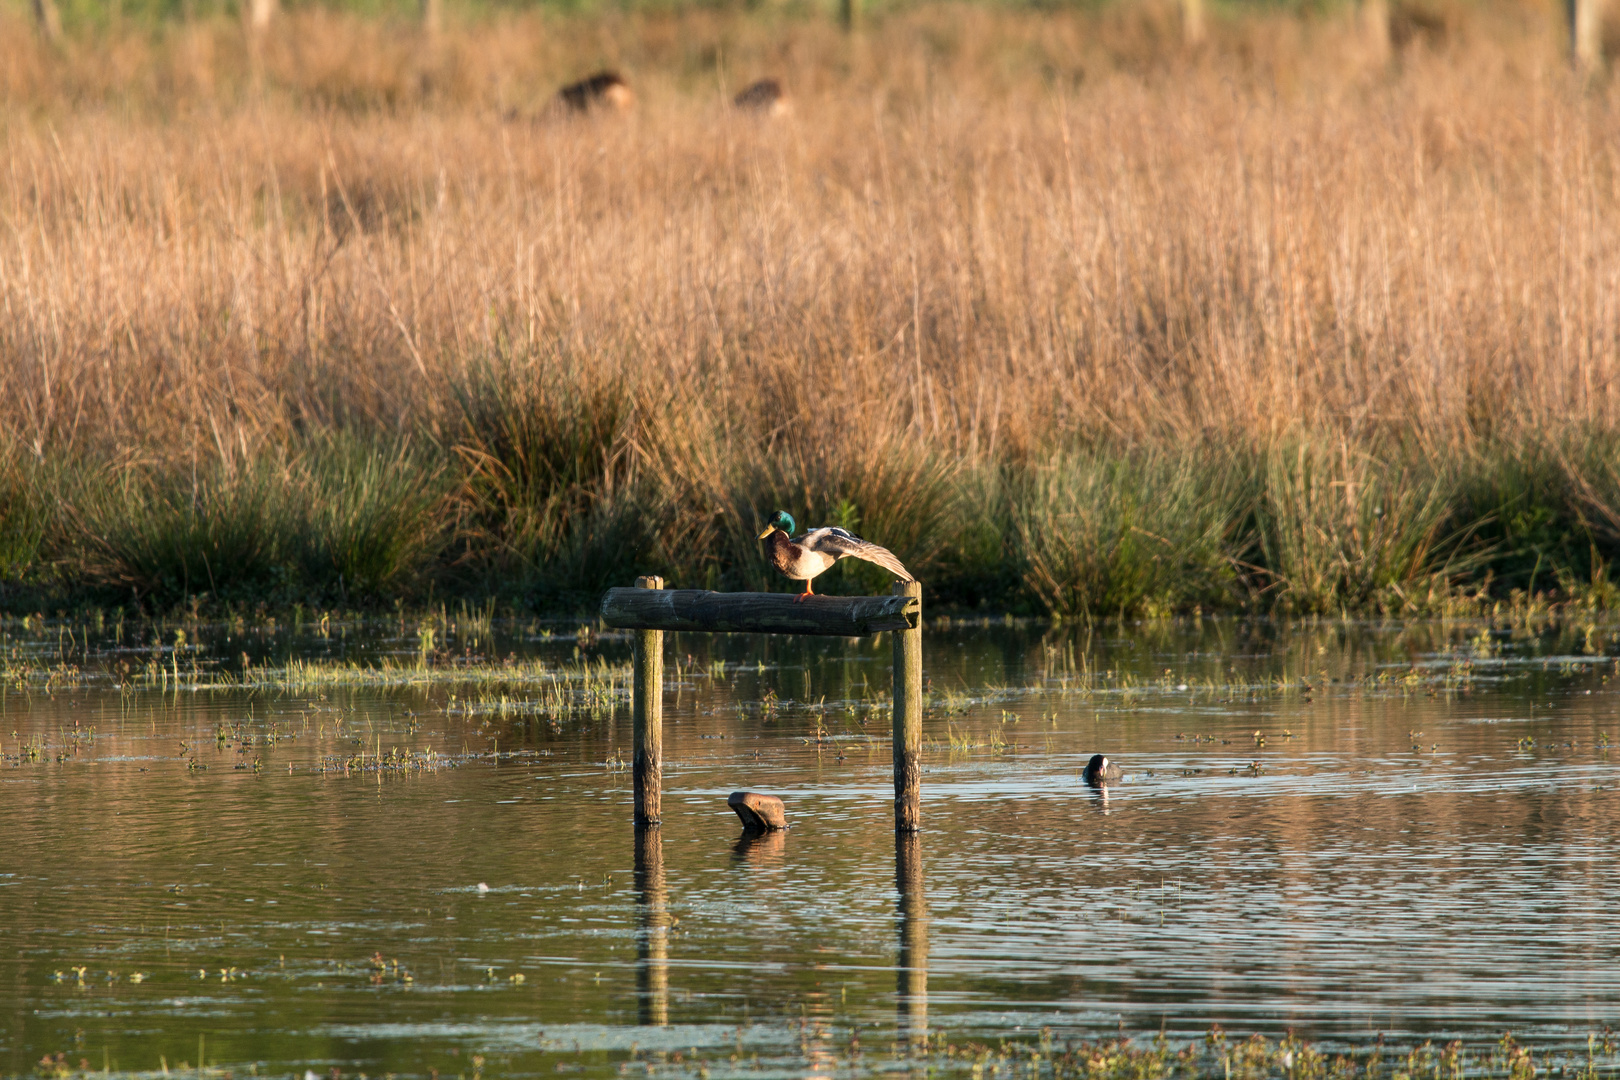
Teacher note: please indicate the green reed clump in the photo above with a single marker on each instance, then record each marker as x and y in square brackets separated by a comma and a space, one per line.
[978, 563]
[1341, 528]
[26, 507]
[376, 513]
[559, 508]
[340, 516]
[1520, 500]
[1104, 533]
[169, 532]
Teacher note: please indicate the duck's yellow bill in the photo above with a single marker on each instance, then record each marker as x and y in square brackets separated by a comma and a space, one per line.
[768, 530]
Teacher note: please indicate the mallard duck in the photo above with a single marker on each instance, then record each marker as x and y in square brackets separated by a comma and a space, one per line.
[808, 556]
[1100, 772]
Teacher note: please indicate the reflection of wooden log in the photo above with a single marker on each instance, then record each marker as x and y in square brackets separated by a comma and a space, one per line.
[908, 715]
[757, 613]
[758, 811]
[647, 715]
[759, 847]
[911, 975]
[652, 929]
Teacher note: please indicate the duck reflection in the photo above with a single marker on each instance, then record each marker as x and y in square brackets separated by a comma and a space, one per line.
[652, 929]
[1099, 800]
[911, 978]
[760, 848]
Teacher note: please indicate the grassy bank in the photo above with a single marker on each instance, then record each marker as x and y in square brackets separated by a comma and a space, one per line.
[1073, 317]
[1301, 527]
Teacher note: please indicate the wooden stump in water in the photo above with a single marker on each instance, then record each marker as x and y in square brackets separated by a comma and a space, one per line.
[758, 811]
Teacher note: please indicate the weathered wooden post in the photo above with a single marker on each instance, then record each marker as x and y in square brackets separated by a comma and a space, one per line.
[48, 19]
[260, 13]
[647, 712]
[908, 716]
[1192, 21]
[1374, 15]
[1585, 34]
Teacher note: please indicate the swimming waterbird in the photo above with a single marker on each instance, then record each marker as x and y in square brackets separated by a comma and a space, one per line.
[810, 555]
[1101, 772]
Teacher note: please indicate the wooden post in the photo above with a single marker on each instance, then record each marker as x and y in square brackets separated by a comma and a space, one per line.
[1585, 34]
[849, 11]
[908, 716]
[652, 931]
[432, 16]
[260, 12]
[1192, 21]
[48, 19]
[647, 711]
[911, 973]
[1375, 25]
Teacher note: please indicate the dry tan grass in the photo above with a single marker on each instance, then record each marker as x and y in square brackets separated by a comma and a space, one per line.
[982, 233]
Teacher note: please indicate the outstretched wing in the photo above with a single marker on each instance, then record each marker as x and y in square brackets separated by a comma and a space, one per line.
[831, 540]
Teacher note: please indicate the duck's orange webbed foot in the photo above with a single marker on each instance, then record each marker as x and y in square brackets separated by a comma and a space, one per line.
[800, 598]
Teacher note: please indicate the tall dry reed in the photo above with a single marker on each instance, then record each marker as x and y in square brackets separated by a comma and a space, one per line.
[983, 237]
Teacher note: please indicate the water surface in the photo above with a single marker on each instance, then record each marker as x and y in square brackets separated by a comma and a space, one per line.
[210, 854]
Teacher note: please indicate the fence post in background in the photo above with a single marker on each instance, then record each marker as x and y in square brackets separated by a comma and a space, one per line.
[260, 12]
[848, 12]
[1375, 25]
[432, 16]
[908, 717]
[48, 19]
[1192, 21]
[1585, 34]
[647, 712]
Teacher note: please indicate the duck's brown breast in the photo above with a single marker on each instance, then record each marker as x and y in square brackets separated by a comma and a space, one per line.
[782, 553]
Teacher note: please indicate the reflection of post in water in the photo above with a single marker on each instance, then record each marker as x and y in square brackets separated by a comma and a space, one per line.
[652, 929]
[759, 847]
[911, 980]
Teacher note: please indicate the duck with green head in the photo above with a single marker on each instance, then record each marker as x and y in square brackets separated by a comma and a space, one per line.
[806, 557]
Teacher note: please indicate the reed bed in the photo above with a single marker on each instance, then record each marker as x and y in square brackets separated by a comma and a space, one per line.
[1074, 317]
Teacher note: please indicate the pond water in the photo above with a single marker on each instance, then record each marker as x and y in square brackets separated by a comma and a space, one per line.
[406, 848]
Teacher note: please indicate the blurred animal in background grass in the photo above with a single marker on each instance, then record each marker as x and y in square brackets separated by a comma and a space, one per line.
[605, 89]
[765, 96]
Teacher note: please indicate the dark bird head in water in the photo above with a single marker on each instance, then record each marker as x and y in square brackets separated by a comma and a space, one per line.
[779, 520]
[1100, 771]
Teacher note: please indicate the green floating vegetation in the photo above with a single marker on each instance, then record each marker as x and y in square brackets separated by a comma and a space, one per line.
[944, 1053]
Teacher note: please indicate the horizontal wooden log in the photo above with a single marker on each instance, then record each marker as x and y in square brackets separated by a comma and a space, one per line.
[757, 613]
